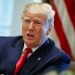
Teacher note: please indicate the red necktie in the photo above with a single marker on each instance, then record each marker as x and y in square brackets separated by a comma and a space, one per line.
[22, 60]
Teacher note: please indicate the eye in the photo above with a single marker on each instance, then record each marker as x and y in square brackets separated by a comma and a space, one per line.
[37, 22]
[27, 21]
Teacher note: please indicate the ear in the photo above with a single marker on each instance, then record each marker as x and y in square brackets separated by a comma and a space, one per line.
[49, 30]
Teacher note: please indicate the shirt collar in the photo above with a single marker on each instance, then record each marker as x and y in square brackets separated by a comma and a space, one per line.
[33, 49]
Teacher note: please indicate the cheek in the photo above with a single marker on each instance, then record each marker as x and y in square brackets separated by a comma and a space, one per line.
[38, 33]
[24, 29]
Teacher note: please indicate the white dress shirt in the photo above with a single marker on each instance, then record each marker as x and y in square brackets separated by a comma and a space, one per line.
[33, 49]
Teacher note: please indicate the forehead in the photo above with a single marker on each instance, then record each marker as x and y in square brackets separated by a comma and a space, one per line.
[35, 15]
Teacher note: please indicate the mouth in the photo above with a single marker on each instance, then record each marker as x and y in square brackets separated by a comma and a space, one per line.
[30, 36]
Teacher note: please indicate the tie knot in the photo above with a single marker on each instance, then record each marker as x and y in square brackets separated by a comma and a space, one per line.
[28, 50]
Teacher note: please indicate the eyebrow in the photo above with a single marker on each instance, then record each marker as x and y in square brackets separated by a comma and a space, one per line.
[36, 18]
[26, 17]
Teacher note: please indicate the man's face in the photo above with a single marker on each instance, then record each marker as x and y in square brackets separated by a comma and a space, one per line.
[34, 29]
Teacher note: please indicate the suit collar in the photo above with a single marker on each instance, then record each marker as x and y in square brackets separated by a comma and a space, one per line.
[36, 58]
[34, 49]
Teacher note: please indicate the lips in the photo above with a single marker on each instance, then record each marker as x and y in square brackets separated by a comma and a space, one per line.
[30, 35]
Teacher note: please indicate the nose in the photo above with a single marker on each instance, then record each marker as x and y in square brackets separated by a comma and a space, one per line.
[31, 26]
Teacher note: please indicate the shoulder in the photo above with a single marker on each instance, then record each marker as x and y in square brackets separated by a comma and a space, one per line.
[54, 58]
[9, 37]
[57, 58]
[9, 40]
[58, 52]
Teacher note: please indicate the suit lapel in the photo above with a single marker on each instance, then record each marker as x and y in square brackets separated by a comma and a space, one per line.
[13, 53]
[46, 57]
[30, 65]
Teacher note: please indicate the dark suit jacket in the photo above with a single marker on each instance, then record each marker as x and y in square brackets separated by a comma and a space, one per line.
[46, 58]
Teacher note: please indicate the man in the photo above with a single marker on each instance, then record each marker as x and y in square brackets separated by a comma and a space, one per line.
[37, 22]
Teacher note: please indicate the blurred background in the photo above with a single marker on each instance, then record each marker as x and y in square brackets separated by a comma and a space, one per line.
[64, 29]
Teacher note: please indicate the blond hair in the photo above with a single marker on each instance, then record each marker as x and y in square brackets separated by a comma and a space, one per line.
[42, 8]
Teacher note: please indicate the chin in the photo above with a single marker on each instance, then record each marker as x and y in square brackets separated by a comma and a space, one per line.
[28, 42]
[31, 44]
